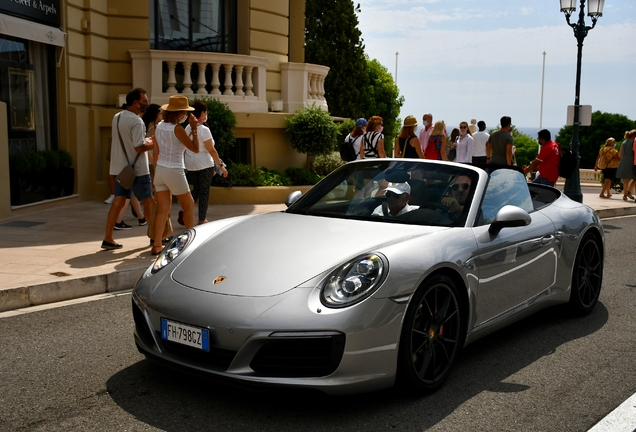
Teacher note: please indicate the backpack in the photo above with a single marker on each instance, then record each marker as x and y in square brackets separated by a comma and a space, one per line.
[347, 152]
[567, 163]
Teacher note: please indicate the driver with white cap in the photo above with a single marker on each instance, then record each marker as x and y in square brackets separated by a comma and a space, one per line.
[397, 201]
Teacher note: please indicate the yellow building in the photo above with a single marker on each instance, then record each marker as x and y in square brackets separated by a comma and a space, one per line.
[66, 66]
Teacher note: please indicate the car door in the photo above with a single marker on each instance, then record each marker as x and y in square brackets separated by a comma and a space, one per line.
[518, 263]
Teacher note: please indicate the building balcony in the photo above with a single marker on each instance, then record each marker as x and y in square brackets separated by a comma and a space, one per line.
[237, 80]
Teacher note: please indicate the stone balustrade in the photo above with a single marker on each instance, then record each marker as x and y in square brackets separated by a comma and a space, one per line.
[303, 84]
[588, 176]
[237, 80]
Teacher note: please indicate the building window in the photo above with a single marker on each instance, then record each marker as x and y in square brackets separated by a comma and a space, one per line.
[193, 25]
[21, 99]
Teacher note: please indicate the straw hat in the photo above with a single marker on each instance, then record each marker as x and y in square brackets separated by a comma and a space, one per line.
[177, 103]
[410, 121]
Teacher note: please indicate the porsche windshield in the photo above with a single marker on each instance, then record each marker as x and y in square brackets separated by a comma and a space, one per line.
[418, 192]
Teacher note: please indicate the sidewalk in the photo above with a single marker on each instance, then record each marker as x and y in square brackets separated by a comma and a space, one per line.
[54, 255]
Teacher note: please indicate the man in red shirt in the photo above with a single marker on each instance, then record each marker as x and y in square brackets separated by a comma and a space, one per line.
[547, 161]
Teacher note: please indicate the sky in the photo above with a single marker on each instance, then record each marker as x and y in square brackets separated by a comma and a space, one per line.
[483, 59]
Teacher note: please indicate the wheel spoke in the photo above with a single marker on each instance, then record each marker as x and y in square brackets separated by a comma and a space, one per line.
[448, 318]
[426, 359]
[442, 309]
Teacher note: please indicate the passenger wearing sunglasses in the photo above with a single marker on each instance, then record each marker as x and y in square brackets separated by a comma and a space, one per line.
[458, 195]
[397, 201]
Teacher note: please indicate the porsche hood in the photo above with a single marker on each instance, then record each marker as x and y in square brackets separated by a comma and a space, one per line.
[272, 253]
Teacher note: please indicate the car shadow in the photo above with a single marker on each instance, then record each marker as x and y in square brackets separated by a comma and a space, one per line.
[176, 401]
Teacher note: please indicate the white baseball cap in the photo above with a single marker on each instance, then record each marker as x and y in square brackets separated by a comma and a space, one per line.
[399, 188]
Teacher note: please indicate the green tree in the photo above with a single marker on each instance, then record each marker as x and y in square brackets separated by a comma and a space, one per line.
[312, 131]
[382, 98]
[221, 121]
[332, 39]
[527, 149]
[591, 138]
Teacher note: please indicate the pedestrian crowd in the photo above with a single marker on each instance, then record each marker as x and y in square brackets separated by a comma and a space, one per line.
[149, 155]
[470, 143]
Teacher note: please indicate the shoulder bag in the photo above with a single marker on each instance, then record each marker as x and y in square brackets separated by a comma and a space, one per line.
[126, 178]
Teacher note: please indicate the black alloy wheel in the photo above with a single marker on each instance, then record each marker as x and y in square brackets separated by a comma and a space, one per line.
[432, 335]
[587, 276]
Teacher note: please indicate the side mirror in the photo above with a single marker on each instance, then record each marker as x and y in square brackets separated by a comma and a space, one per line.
[293, 197]
[508, 217]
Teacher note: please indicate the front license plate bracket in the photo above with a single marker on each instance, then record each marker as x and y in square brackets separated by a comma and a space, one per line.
[185, 334]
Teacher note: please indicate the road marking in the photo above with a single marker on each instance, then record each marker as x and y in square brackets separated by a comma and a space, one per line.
[32, 309]
[622, 419]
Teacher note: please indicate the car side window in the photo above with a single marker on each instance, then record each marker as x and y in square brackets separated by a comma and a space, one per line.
[505, 187]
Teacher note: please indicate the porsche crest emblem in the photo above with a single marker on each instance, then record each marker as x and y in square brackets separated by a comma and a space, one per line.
[219, 280]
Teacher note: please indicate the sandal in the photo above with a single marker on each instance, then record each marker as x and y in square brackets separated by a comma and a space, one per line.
[624, 197]
[156, 250]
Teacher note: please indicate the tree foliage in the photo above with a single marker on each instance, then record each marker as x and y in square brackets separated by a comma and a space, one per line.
[356, 86]
[591, 138]
[332, 39]
[527, 149]
[221, 121]
[382, 98]
[312, 131]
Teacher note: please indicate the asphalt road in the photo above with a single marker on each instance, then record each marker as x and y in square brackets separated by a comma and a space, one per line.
[76, 368]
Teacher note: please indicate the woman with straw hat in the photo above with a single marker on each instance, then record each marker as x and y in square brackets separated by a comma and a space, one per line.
[408, 145]
[170, 141]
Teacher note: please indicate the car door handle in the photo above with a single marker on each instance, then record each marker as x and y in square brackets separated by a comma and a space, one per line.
[547, 240]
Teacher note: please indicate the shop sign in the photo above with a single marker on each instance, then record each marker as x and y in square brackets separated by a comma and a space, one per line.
[41, 11]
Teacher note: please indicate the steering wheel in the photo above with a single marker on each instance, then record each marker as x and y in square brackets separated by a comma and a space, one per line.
[442, 209]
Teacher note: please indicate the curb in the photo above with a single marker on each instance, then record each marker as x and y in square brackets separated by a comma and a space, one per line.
[52, 292]
[616, 212]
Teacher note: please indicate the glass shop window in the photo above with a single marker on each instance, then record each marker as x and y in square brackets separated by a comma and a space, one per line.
[193, 25]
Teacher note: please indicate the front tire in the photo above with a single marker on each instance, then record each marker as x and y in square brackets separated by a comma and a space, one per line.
[432, 335]
[587, 276]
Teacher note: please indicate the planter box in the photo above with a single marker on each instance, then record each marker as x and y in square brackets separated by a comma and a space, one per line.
[253, 195]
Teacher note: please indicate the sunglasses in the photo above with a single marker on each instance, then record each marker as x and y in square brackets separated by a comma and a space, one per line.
[392, 195]
[464, 186]
[463, 127]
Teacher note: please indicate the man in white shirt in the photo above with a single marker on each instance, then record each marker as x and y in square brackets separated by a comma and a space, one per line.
[397, 201]
[425, 132]
[128, 126]
[481, 138]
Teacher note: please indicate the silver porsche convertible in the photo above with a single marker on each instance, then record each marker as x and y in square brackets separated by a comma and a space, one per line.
[378, 275]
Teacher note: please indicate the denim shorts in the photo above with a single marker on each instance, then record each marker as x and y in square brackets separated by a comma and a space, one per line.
[543, 181]
[142, 188]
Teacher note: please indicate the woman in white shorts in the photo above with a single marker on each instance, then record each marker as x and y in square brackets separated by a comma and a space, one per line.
[170, 141]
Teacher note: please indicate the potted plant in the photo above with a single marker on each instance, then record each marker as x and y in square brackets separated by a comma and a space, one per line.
[66, 173]
[47, 179]
[24, 175]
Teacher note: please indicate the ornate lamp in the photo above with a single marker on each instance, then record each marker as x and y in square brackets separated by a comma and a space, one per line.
[594, 10]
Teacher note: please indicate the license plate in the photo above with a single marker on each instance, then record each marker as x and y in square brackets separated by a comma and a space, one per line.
[184, 334]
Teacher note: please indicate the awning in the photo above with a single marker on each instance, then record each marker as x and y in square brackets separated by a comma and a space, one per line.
[24, 29]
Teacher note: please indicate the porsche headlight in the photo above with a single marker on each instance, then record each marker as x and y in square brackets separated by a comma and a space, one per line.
[353, 281]
[172, 250]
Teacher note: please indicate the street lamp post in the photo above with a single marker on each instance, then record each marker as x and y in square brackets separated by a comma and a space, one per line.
[396, 58]
[594, 10]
